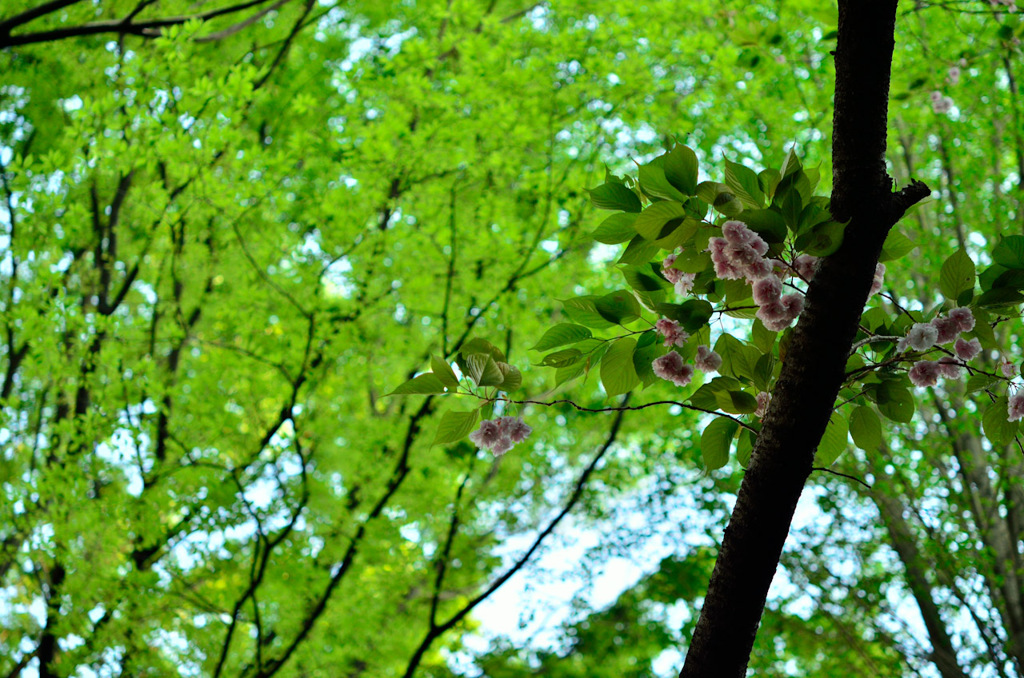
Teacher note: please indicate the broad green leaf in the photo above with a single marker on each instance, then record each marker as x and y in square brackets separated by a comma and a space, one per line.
[762, 337]
[866, 428]
[895, 401]
[583, 311]
[614, 196]
[736, 402]
[1009, 252]
[896, 245]
[618, 307]
[692, 260]
[512, 378]
[833, 442]
[680, 167]
[568, 372]
[792, 208]
[443, 371]
[957, 276]
[424, 384]
[720, 197]
[617, 228]
[979, 382]
[1000, 296]
[482, 346]
[768, 223]
[822, 240]
[768, 180]
[647, 349]
[483, 370]
[563, 358]
[715, 442]
[562, 334]
[744, 446]
[764, 371]
[618, 375]
[651, 222]
[645, 278]
[998, 428]
[655, 184]
[455, 426]
[640, 250]
[744, 185]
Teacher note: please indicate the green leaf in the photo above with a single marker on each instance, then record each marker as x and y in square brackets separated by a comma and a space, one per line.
[483, 370]
[424, 384]
[655, 184]
[568, 372]
[617, 228]
[614, 196]
[767, 223]
[896, 245]
[454, 427]
[645, 278]
[998, 429]
[769, 179]
[482, 346]
[1010, 252]
[618, 307]
[1000, 296]
[652, 220]
[764, 370]
[640, 250]
[833, 442]
[715, 442]
[707, 395]
[647, 349]
[512, 378]
[583, 311]
[562, 334]
[563, 358]
[744, 446]
[736, 402]
[443, 371]
[762, 337]
[866, 428]
[979, 382]
[792, 207]
[822, 240]
[957, 276]
[895, 401]
[743, 182]
[618, 375]
[720, 197]
[680, 167]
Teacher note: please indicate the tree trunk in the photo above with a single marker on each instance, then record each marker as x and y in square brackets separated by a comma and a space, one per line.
[813, 369]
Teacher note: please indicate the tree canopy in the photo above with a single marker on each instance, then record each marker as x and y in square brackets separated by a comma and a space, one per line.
[231, 230]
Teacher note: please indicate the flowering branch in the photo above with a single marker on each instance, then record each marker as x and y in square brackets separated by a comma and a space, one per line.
[623, 408]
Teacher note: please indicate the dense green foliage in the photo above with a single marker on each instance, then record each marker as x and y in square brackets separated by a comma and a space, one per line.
[224, 244]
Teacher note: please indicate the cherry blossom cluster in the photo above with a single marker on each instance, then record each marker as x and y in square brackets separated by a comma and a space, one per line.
[941, 330]
[500, 435]
[1015, 407]
[683, 282]
[671, 367]
[940, 103]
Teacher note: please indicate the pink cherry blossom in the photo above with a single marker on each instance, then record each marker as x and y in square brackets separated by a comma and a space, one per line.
[878, 280]
[778, 315]
[806, 265]
[515, 428]
[963, 318]
[922, 336]
[763, 398]
[673, 275]
[953, 75]
[489, 435]
[724, 266]
[685, 283]
[670, 367]
[673, 333]
[707, 360]
[966, 350]
[1015, 408]
[949, 367]
[767, 290]
[924, 373]
[948, 329]
[737, 233]
[1008, 369]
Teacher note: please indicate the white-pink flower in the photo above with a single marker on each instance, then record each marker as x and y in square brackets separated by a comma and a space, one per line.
[1015, 407]
[806, 265]
[941, 104]
[515, 428]
[767, 290]
[763, 398]
[707, 360]
[963, 318]
[670, 367]
[878, 280]
[724, 267]
[778, 315]
[966, 350]
[924, 373]
[948, 329]
[673, 333]
[949, 367]
[685, 283]
[500, 435]
[922, 336]
[1008, 369]
[953, 75]
[671, 274]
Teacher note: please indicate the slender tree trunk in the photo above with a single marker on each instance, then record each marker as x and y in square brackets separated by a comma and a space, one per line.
[813, 369]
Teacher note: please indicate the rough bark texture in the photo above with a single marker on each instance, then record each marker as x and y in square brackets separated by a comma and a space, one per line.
[813, 369]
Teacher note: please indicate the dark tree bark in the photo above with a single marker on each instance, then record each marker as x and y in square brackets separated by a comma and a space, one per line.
[813, 369]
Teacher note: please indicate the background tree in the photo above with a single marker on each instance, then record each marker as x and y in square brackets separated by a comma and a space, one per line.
[220, 255]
